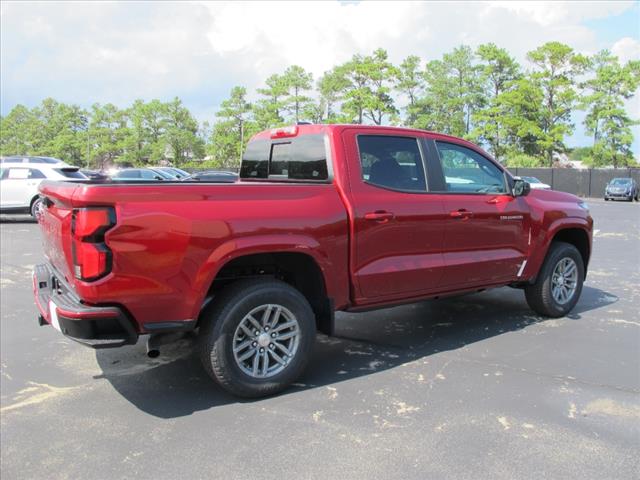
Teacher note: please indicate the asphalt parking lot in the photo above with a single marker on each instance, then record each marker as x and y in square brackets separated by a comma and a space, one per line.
[472, 387]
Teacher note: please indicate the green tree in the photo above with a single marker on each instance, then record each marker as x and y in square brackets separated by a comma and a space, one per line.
[136, 146]
[606, 118]
[268, 110]
[17, 131]
[332, 87]
[453, 92]
[521, 119]
[181, 135]
[368, 94]
[433, 110]
[297, 81]
[232, 130]
[409, 82]
[50, 129]
[106, 134]
[556, 69]
[498, 72]
[67, 134]
[467, 94]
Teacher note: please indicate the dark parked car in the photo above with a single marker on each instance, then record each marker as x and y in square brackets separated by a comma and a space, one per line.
[94, 174]
[622, 188]
[144, 174]
[212, 176]
[176, 173]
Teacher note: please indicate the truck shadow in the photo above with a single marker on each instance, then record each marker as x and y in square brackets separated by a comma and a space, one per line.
[175, 384]
[6, 218]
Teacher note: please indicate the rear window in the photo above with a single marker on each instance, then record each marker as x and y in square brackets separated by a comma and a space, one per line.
[70, 172]
[300, 158]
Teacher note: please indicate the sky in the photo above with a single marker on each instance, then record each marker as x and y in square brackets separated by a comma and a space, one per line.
[88, 52]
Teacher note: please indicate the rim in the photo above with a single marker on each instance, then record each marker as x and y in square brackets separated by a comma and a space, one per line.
[266, 340]
[564, 280]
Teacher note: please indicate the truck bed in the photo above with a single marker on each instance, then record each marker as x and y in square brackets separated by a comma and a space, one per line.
[170, 239]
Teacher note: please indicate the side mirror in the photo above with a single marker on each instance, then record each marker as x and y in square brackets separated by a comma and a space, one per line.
[521, 188]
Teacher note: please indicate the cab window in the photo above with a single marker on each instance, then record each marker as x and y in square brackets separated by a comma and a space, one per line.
[392, 162]
[466, 171]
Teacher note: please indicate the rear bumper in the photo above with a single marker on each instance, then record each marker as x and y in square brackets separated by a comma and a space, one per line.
[96, 327]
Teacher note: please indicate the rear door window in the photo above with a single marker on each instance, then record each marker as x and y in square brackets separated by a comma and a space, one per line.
[392, 162]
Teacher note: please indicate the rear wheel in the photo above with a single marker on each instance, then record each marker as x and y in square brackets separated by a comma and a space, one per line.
[257, 337]
[559, 283]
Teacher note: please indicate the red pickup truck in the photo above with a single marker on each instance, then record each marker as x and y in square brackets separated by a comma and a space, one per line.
[323, 218]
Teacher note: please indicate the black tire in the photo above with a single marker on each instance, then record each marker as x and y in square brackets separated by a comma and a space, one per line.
[221, 319]
[35, 203]
[539, 295]
[606, 199]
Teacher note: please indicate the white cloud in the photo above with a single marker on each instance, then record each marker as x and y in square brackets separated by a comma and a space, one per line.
[551, 13]
[626, 49]
[268, 36]
[116, 52]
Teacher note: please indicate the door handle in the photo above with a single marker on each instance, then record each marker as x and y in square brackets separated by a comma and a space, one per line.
[461, 213]
[380, 216]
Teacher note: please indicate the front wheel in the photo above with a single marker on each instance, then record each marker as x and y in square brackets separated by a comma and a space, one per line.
[35, 205]
[257, 337]
[559, 283]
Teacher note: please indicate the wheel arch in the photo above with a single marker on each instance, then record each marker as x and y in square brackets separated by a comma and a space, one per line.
[573, 231]
[299, 265]
[577, 237]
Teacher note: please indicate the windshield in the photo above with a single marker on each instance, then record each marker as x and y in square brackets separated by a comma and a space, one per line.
[165, 175]
[618, 182]
[531, 179]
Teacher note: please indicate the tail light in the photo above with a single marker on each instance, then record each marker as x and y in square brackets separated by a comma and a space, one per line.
[282, 132]
[91, 256]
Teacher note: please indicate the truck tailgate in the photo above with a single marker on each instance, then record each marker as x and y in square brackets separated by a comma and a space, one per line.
[55, 222]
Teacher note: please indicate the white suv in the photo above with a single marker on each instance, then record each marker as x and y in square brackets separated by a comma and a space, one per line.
[19, 184]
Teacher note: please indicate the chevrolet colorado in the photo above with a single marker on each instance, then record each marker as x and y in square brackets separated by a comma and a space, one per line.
[323, 218]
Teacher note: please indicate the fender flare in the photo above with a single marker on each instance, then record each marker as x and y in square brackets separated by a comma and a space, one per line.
[252, 245]
[539, 252]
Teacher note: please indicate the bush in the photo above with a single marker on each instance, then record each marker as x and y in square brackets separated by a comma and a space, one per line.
[523, 160]
[580, 154]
